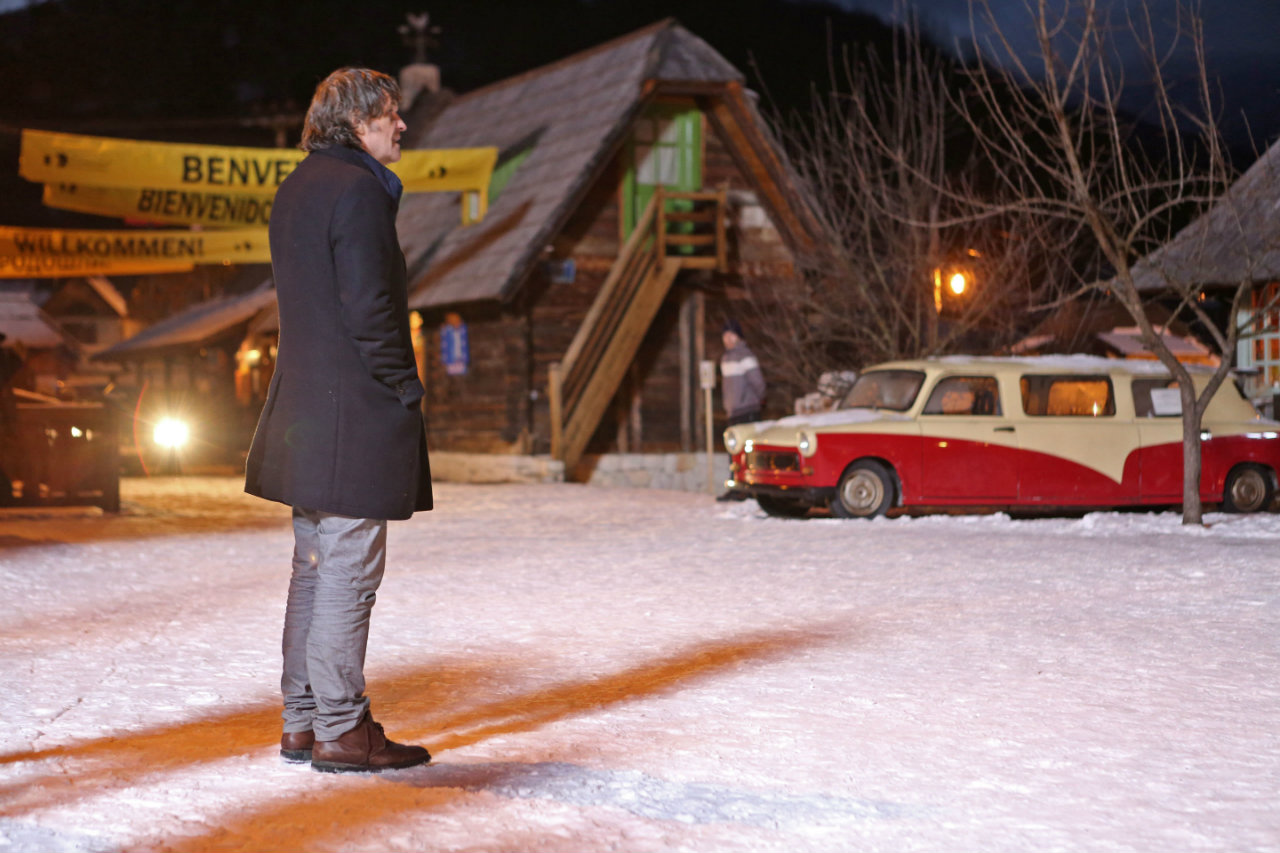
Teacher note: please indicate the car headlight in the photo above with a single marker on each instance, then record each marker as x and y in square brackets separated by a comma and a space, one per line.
[807, 443]
[171, 432]
[731, 442]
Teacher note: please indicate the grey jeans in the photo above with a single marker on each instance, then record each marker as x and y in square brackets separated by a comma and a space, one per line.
[337, 567]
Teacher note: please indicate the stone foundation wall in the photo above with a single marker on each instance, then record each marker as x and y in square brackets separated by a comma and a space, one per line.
[686, 472]
[683, 472]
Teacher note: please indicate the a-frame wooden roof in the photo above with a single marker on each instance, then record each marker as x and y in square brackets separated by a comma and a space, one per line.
[571, 117]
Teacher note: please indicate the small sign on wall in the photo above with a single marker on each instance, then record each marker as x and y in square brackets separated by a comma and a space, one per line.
[707, 374]
[455, 351]
[562, 272]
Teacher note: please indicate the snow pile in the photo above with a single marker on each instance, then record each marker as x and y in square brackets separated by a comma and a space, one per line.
[642, 670]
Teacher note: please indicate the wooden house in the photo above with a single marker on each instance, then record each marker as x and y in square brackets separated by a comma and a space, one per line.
[636, 186]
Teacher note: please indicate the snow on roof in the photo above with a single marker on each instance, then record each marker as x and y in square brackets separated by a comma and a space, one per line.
[1063, 362]
[839, 417]
[196, 325]
[1129, 342]
[23, 322]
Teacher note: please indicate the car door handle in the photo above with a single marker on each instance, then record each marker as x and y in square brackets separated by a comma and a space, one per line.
[1002, 429]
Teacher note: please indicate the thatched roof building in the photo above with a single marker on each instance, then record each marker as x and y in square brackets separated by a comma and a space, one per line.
[1236, 241]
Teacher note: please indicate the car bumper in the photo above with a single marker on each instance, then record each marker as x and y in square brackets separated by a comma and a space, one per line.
[811, 495]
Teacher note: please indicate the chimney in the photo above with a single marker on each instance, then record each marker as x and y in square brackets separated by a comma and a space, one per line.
[414, 80]
[419, 75]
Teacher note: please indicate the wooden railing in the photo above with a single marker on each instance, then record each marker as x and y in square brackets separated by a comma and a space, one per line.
[663, 242]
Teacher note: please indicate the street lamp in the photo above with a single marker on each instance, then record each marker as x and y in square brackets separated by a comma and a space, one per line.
[957, 283]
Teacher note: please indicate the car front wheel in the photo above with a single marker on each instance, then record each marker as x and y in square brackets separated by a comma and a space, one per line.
[866, 490]
[1248, 489]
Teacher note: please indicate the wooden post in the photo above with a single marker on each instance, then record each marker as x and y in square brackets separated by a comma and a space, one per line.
[699, 350]
[707, 378]
[687, 404]
[722, 257]
[557, 416]
[636, 425]
[660, 212]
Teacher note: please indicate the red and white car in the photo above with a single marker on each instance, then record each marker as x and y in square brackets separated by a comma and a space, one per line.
[1058, 431]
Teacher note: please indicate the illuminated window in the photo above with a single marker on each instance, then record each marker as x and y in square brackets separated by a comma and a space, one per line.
[1067, 396]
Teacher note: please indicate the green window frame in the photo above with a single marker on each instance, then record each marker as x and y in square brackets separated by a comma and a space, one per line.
[665, 149]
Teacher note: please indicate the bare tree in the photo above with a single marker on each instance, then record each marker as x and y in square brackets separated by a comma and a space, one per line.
[887, 159]
[1058, 143]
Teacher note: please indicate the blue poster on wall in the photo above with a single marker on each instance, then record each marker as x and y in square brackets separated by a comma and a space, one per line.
[454, 350]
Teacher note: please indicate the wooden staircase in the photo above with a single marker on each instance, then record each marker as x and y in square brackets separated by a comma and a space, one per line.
[663, 243]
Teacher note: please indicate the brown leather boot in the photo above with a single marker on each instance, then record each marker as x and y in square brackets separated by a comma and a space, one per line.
[365, 749]
[295, 747]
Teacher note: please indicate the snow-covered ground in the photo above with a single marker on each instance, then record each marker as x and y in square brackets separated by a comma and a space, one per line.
[643, 670]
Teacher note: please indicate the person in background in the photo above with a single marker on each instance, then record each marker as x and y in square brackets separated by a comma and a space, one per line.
[341, 438]
[741, 383]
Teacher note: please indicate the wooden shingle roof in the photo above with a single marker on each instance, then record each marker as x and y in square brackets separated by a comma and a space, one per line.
[570, 116]
[1237, 240]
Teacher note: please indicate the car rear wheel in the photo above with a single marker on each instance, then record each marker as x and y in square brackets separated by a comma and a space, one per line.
[1248, 489]
[865, 491]
[782, 507]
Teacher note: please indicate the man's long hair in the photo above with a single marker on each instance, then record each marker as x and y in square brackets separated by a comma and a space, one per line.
[343, 100]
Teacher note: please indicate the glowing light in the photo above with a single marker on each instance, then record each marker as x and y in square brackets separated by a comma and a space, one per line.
[958, 283]
[75, 432]
[171, 432]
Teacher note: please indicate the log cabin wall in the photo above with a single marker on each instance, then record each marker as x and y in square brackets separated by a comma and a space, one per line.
[482, 410]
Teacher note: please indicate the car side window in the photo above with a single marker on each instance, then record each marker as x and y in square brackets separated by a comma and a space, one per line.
[1067, 396]
[964, 395]
[1157, 398]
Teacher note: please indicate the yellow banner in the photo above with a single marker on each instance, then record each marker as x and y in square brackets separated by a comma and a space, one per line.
[69, 266]
[67, 158]
[44, 252]
[163, 207]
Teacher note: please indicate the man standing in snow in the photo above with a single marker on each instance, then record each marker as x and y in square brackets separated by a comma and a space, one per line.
[741, 384]
[341, 437]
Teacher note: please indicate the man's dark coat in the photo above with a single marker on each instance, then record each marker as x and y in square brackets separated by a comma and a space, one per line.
[341, 430]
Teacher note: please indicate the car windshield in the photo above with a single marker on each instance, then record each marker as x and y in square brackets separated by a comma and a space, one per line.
[885, 389]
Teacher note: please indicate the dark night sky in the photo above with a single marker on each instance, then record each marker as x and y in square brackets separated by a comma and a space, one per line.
[74, 59]
[1242, 53]
[180, 69]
